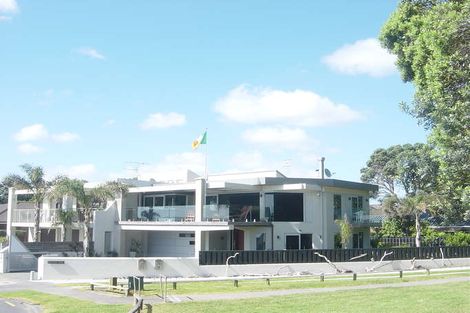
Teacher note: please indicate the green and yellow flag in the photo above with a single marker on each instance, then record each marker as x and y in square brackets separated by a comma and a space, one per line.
[201, 140]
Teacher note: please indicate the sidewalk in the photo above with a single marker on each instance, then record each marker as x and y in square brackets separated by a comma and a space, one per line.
[12, 282]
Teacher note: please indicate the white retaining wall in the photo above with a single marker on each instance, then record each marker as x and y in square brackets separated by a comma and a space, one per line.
[64, 268]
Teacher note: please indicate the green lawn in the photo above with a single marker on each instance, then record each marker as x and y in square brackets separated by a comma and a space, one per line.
[452, 297]
[290, 283]
[55, 304]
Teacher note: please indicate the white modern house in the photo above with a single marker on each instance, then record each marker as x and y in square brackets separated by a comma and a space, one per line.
[240, 211]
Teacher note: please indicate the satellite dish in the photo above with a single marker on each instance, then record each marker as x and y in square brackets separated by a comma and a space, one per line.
[327, 172]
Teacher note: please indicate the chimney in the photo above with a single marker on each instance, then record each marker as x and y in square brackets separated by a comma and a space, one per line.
[322, 167]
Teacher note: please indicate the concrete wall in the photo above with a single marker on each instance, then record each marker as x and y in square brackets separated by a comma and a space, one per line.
[61, 268]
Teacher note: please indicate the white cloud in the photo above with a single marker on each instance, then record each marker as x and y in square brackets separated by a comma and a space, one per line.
[276, 136]
[172, 167]
[86, 171]
[162, 120]
[31, 133]
[27, 148]
[91, 53]
[362, 57]
[83, 171]
[249, 161]
[298, 107]
[4, 18]
[109, 123]
[8, 6]
[39, 132]
[65, 137]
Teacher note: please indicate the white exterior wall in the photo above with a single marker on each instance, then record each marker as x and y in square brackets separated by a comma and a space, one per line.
[104, 268]
[169, 243]
[104, 220]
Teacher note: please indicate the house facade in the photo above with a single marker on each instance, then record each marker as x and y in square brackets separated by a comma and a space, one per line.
[240, 211]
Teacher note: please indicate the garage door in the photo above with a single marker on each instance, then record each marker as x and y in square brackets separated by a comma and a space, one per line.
[171, 244]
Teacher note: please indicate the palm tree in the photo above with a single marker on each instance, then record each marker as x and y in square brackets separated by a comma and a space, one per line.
[34, 182]
[64, 218]
[88, 201]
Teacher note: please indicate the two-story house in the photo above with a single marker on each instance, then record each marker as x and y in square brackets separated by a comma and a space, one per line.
[240, 211]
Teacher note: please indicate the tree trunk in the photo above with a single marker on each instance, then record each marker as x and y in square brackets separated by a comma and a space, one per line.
[37, 219]
[418, 230]
[86, 234]
[62, 235]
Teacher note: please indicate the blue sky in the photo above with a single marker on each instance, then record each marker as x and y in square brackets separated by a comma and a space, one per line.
[106, 89]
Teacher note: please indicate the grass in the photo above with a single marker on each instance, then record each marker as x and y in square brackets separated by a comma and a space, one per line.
[450, 297]
[55, 304]
[289, 283]
[436, 299]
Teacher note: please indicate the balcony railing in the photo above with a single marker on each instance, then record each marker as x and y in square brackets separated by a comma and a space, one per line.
[27, 216]
[215, 213]
[181, 213]
[364, 219]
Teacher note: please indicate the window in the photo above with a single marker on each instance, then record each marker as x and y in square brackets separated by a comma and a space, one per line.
[292, 242]
[242, 206]
[211, 200]
[284, 207]
[306, 241]
[261, 241]
[358, 240]
[151, 201]
[175, 200]
[107, 242]
[337, 207]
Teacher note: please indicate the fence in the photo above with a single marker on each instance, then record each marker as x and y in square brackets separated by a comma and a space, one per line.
[22, 262]
[334, 255]
[398, 241]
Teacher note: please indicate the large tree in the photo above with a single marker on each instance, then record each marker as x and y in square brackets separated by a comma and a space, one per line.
[88, 200]
[431, 39]
[407, 168]
[35, 182]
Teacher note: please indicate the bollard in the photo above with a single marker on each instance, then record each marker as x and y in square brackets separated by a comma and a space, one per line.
[401, 274]
[235, 283]
[322, 277]
[268, 281]
[174, 285]
[354, 276]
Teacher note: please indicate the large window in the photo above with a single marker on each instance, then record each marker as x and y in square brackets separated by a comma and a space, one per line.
[284, 207]
[242, 206]
[337, 207]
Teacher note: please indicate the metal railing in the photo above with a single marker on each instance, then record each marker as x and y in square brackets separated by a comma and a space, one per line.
[361, 218]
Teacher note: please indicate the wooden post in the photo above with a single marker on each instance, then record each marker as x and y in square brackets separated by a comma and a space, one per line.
[268, 281]
[92, 287]
[235, 283]
[322, 277]
[354, 276]
[401, 274]
[174, 285]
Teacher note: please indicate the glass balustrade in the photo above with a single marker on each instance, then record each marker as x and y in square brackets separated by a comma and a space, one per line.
[181, 213]
[215, 213]
[27, 216]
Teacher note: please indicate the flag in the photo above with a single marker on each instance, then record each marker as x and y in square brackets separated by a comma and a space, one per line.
[201, 140]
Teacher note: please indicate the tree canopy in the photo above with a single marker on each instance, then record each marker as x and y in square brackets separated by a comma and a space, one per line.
[431, 39]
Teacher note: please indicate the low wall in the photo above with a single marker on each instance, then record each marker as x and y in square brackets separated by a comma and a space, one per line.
[64, 268]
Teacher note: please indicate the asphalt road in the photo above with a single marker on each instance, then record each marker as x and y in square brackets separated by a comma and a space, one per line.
[17, 306]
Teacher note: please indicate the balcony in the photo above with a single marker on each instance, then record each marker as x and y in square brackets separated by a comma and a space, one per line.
[215, 213]
[27, 216]
[181, 213]
[361, 219]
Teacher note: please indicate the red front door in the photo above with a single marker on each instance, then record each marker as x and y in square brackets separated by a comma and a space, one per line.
[239, 239]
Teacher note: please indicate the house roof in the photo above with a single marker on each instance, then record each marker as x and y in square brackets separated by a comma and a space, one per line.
[321, 182]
